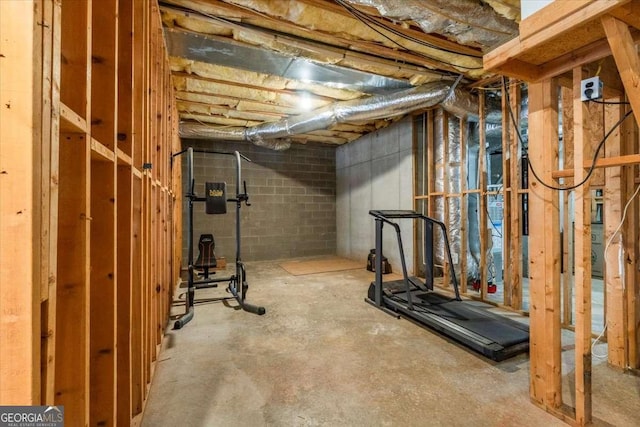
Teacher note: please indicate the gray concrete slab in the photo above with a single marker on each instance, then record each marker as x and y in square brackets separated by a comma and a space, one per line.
[322, 356]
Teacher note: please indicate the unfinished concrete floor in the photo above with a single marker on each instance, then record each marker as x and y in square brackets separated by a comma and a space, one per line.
[322, 356]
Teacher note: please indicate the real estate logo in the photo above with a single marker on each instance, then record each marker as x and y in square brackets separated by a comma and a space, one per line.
[31, 416]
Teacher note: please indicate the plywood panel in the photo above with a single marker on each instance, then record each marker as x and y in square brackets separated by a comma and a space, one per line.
[19, 305]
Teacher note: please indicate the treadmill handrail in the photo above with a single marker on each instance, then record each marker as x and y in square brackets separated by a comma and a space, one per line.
[385, 215]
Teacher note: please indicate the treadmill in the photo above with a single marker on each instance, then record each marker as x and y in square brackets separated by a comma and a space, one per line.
[465, 321]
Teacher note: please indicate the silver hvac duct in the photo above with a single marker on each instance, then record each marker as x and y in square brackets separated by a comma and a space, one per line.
[273, 135]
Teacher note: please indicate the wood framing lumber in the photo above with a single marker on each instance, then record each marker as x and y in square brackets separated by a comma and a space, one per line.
[582, 248]
[544, 269]
[626, 57]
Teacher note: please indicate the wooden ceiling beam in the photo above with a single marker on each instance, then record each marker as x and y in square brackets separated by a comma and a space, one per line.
[340, 56]
[269, 23]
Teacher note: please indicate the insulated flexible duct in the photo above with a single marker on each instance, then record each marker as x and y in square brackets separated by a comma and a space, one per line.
[273, 135]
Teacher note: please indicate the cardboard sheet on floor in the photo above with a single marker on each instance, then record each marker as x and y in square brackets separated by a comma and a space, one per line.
[321, 265]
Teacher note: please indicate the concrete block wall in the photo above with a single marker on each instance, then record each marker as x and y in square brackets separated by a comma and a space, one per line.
[375, 172]
[292, 195]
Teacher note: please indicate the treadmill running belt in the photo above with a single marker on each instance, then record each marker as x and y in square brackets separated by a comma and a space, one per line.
[473, 318]
[468, 321]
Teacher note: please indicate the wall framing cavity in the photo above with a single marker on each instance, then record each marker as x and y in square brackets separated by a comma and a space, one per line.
[94, 276]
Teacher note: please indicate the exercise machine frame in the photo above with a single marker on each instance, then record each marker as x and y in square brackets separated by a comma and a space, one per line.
[237, 283]
[468, 322]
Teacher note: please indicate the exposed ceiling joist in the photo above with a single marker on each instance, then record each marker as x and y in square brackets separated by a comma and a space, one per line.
[243, 63]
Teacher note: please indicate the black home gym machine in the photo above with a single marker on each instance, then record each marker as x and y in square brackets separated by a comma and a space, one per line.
[215, 203]
[468, 322]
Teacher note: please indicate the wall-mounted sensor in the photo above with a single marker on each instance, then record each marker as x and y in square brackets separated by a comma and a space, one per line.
[591, 89]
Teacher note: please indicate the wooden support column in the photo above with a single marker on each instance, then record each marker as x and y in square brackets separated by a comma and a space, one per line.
[507, 190]
[482, 202]
[431, 164]
[582, 242]
[464, 211]
[137, 344]
[515, 248]
[567, 226]
[446, 188]
[19, 288]
[544, 244]
[613, 204]
[124, 243]
[46, 134]
[631, 144]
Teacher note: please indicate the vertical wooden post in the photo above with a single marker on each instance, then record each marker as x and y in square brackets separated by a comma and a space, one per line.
[124, 290]
[431, 164]
[19, 305]
[567, 226]
[446, 188]
[515, 264]
[582, 152]
[72, 318]
[464, 212]
[137, 344]
[124, 213]
[544, 246]
[482, 202]
[47, 193]
[614, 266]
[507, 205]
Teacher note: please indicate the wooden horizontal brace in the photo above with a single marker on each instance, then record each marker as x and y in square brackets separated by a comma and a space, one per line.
[123, 158]
[604, 162]
[562, 173]
[70, 121]
[101, 152]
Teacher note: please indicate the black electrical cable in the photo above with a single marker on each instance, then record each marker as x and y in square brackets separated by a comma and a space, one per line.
[390, 28]
[595, 156]
[363, 18]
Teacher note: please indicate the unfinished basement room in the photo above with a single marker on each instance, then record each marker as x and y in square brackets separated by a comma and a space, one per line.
[319, 213]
